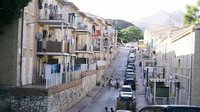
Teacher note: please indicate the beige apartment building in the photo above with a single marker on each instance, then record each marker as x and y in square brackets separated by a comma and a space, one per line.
[177, 51]
[56, 53]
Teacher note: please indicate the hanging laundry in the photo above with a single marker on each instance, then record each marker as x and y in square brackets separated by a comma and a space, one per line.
[40, 4]
[72, 40]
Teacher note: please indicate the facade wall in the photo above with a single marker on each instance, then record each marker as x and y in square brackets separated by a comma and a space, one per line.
[195, 82]
[10, 55]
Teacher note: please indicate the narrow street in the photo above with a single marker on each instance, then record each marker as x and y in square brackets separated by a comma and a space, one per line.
[107, 97]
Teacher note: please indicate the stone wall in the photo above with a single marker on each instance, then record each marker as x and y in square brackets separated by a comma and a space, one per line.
[19, 103]
[64, 100]
[4, 98]
[56, 99]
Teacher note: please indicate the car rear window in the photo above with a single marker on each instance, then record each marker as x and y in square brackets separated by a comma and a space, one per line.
[125, 99]
[186, 110]
[129, 82]
[126, 89]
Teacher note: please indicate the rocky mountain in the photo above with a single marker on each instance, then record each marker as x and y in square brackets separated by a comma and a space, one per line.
[121, 23]
[160, 18]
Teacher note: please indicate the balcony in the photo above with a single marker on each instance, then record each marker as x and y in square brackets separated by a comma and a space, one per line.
[96, 48]
[49, 47]
[53, 19]
[83, 28]
[106, 44]
[106, 33]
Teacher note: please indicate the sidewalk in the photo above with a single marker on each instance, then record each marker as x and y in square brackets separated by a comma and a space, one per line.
[140, 89]
[83, 103]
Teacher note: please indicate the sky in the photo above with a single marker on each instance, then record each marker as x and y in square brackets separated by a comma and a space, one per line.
[130, 10]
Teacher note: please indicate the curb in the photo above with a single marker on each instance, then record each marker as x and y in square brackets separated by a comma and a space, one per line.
[90, 99]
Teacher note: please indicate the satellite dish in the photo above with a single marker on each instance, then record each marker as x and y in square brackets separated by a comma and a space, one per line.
[39, 35]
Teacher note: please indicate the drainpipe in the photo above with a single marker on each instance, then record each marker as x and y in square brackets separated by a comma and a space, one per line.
[21, 55]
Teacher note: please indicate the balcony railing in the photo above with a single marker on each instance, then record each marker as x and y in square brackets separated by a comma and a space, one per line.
[87, 67]
[81, 47]
[41, 81]
[84, 26]
[96, 48]
[58, 17]
[52, 46]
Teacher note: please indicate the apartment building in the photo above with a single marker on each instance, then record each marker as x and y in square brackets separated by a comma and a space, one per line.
[18, 53]
[18, 49]
[55, 55]
[177, 51]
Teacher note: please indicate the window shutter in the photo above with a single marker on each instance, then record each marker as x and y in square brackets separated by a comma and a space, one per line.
[30, 70]
[32, 37]
[23, 71]
[26, 9]
[24, 35]
[33, 7]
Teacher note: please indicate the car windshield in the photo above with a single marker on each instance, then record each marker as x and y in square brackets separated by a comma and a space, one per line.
[126, 90]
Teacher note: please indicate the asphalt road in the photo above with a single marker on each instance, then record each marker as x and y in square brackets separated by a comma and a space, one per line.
[107, 97]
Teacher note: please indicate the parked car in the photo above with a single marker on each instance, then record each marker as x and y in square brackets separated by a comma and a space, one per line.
[170, 108]
[130, 67]
[129, 76]
[125, 102]
[123, 111]
[130, 81]
[132, 51]
[132, 64]
[130, 73]
[126, 90]
[130, 61]
[129, 70]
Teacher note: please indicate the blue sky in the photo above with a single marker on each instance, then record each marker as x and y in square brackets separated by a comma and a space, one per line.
[130, 10]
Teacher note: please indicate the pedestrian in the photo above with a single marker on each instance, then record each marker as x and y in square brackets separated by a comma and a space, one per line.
[106, 109]
[109, 84]
[111, 109]
[111, 77]
[118, 82]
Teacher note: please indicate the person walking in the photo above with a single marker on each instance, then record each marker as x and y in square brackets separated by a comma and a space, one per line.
[118, 82]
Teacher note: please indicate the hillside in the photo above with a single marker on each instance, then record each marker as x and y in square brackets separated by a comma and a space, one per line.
[160, 18]
[121, 23]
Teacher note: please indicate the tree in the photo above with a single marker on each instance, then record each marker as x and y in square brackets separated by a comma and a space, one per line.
[129, 34]
[10, 10]
[190, 17]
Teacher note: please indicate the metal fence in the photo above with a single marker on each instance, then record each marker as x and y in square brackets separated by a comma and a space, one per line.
[54, 79]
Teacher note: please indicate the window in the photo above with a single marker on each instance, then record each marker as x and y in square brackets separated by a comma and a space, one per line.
[179, 63]
[148, 110]
[185, 110]
[159, 110]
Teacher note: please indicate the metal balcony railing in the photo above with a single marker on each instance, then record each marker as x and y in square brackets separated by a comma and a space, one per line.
[81, 47]
[52, 46]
